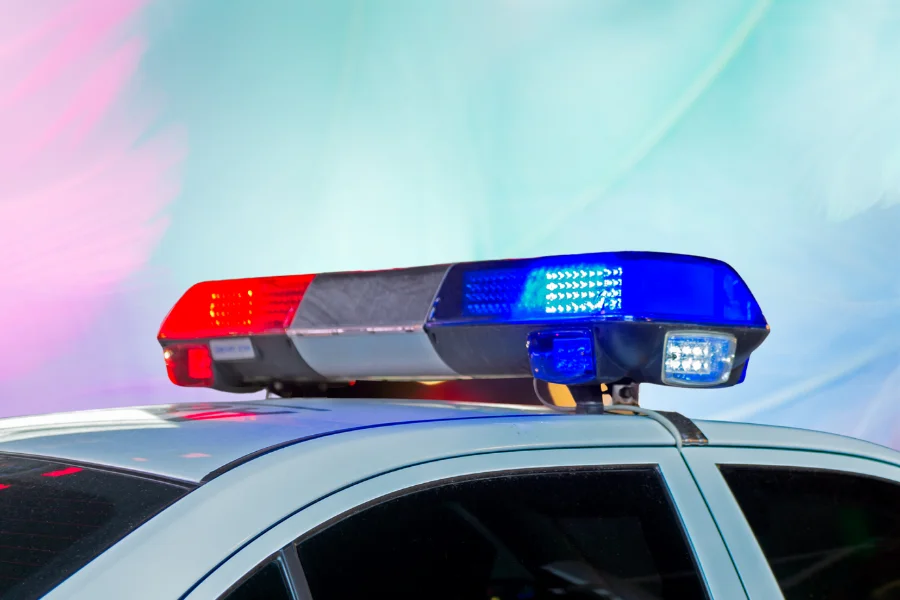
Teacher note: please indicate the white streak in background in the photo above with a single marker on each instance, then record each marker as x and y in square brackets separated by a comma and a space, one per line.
[786, 166]
[838, 113]
[82, 184]
[883, 402]
[660, 126]
[825, 139]
[814, 111]
[793, 391]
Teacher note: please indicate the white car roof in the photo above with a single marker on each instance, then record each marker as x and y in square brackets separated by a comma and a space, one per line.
[192, 442]
[196, 442]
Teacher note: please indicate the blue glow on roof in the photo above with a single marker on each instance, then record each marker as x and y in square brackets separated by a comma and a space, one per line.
[606, 286]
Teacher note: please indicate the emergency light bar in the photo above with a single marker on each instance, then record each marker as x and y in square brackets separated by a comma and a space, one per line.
[582, 319]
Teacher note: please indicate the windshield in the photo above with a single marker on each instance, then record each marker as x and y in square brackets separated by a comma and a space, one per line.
[55, 518]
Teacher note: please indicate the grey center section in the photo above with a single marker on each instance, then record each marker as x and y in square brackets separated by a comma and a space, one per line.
[370, 325]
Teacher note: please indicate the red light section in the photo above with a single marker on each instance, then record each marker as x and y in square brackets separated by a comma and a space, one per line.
[4, 486]
[63, 472]
[235, 307]
[189, 365]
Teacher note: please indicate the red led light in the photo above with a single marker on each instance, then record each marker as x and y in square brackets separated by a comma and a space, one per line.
[235, 307]
[199, 363]
[189, 365]
[3, 486]
[63, 472]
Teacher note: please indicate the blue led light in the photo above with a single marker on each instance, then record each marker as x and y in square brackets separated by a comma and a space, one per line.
[576, 290]
[698, 358]
[565, 357]
[605, 286]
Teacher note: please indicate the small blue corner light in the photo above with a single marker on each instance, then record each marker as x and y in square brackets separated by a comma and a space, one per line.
[562, 356]
[693, 358]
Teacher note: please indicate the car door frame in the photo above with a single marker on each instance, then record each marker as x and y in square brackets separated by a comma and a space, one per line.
[716, 568]
[746, 553]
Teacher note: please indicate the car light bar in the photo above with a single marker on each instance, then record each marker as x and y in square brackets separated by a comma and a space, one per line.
[594, 318]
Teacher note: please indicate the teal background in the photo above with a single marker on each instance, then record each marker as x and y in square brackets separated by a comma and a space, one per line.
[362, 135]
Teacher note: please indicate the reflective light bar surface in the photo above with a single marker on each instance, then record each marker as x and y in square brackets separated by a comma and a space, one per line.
[606, 286]
[362, 325]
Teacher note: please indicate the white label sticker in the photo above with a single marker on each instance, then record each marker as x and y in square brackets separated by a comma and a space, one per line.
[232, 349]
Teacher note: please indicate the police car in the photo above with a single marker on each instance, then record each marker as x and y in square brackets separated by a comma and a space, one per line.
[316, 492]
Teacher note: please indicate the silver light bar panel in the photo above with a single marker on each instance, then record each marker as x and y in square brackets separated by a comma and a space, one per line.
[335, 326]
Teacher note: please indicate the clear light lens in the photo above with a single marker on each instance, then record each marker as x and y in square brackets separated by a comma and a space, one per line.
[565, 357]
[698, 358]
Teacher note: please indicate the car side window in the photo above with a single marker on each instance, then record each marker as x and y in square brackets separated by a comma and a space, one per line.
[597, 533]
[268, 583]
[825, 534]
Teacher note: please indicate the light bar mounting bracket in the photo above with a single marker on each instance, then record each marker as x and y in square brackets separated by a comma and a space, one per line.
[589, 398]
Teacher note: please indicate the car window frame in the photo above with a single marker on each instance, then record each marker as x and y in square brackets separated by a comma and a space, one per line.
[221, 516]
[716, 570]
[746, 553]
[280, 559]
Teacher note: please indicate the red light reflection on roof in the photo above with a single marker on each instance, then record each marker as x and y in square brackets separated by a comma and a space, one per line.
[3, 486]
[63, 472]
[220, 414]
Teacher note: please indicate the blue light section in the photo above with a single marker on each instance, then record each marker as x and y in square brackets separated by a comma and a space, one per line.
[698, 358]
[605, 286]
[575, 289]
[565, 357]
[493, 292]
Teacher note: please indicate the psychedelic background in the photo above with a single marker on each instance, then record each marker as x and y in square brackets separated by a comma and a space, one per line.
[150, 144]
